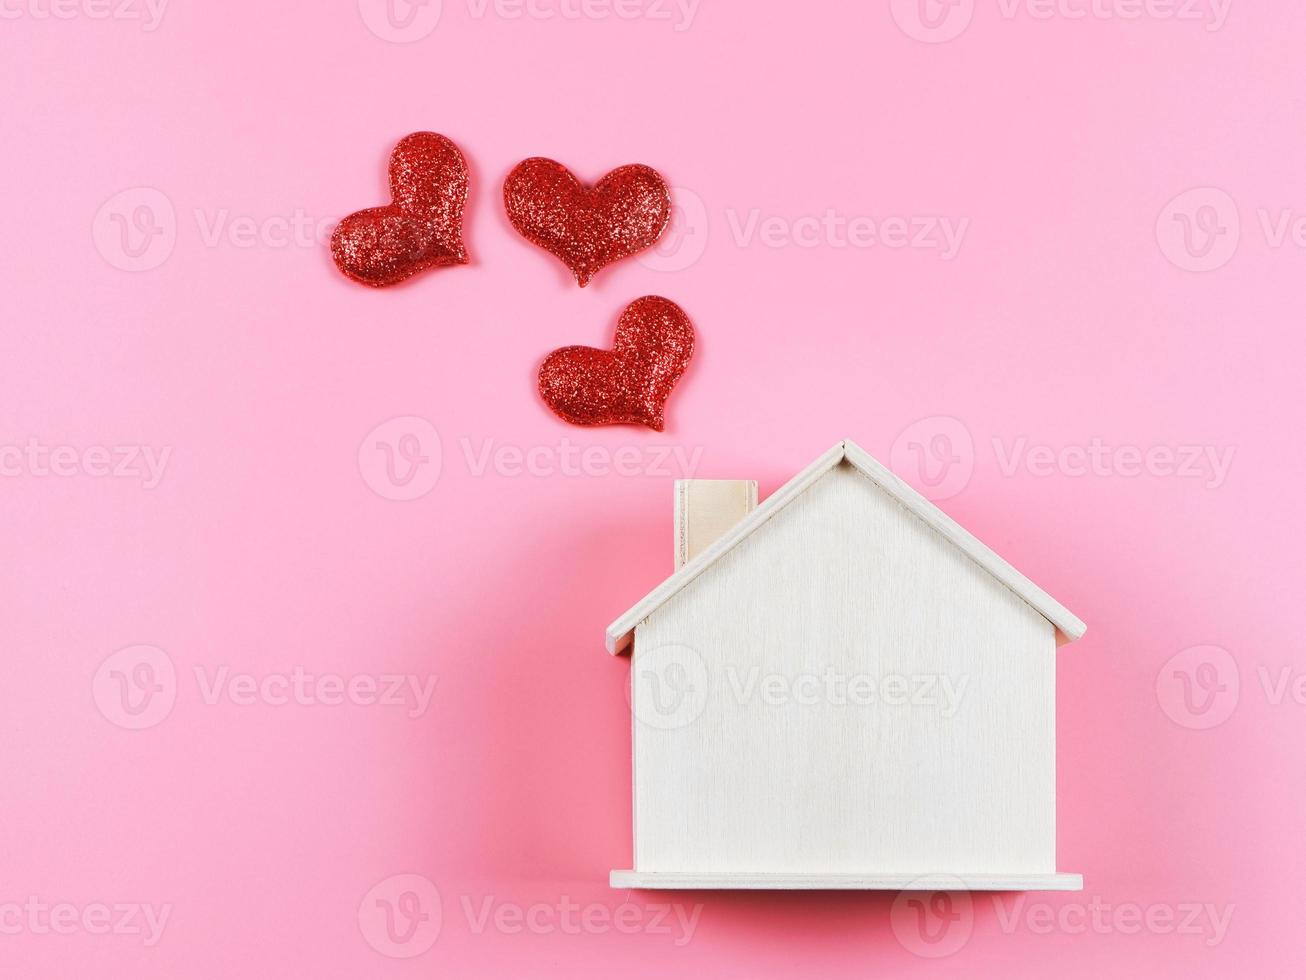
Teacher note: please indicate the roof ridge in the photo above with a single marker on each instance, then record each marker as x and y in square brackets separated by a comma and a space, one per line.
[1066, 622]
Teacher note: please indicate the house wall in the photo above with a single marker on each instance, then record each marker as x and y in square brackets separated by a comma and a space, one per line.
[845, 691]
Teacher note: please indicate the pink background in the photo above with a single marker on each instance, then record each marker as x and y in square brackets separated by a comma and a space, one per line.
[1074, 311]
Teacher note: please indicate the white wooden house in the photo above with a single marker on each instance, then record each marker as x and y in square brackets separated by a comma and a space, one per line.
[841, 688]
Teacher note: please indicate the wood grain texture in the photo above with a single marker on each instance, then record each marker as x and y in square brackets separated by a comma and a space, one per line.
[706, 510]
[845, 581]
[1069, 626]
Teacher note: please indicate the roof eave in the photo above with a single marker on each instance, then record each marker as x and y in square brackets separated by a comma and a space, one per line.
[1069, 627]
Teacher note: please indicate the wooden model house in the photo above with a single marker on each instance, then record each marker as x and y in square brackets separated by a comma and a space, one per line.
[841, 688]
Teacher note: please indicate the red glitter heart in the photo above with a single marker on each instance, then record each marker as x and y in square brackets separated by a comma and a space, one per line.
[421, 229]
[629, 384]
[587, 227]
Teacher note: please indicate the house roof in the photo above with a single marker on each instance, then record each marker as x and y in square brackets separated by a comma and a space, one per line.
[1069, 626]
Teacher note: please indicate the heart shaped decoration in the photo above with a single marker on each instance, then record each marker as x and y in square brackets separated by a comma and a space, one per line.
[629, 384]
[422, 227]
[587, 227]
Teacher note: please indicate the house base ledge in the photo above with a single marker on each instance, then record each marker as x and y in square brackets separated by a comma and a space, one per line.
[934, 882]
